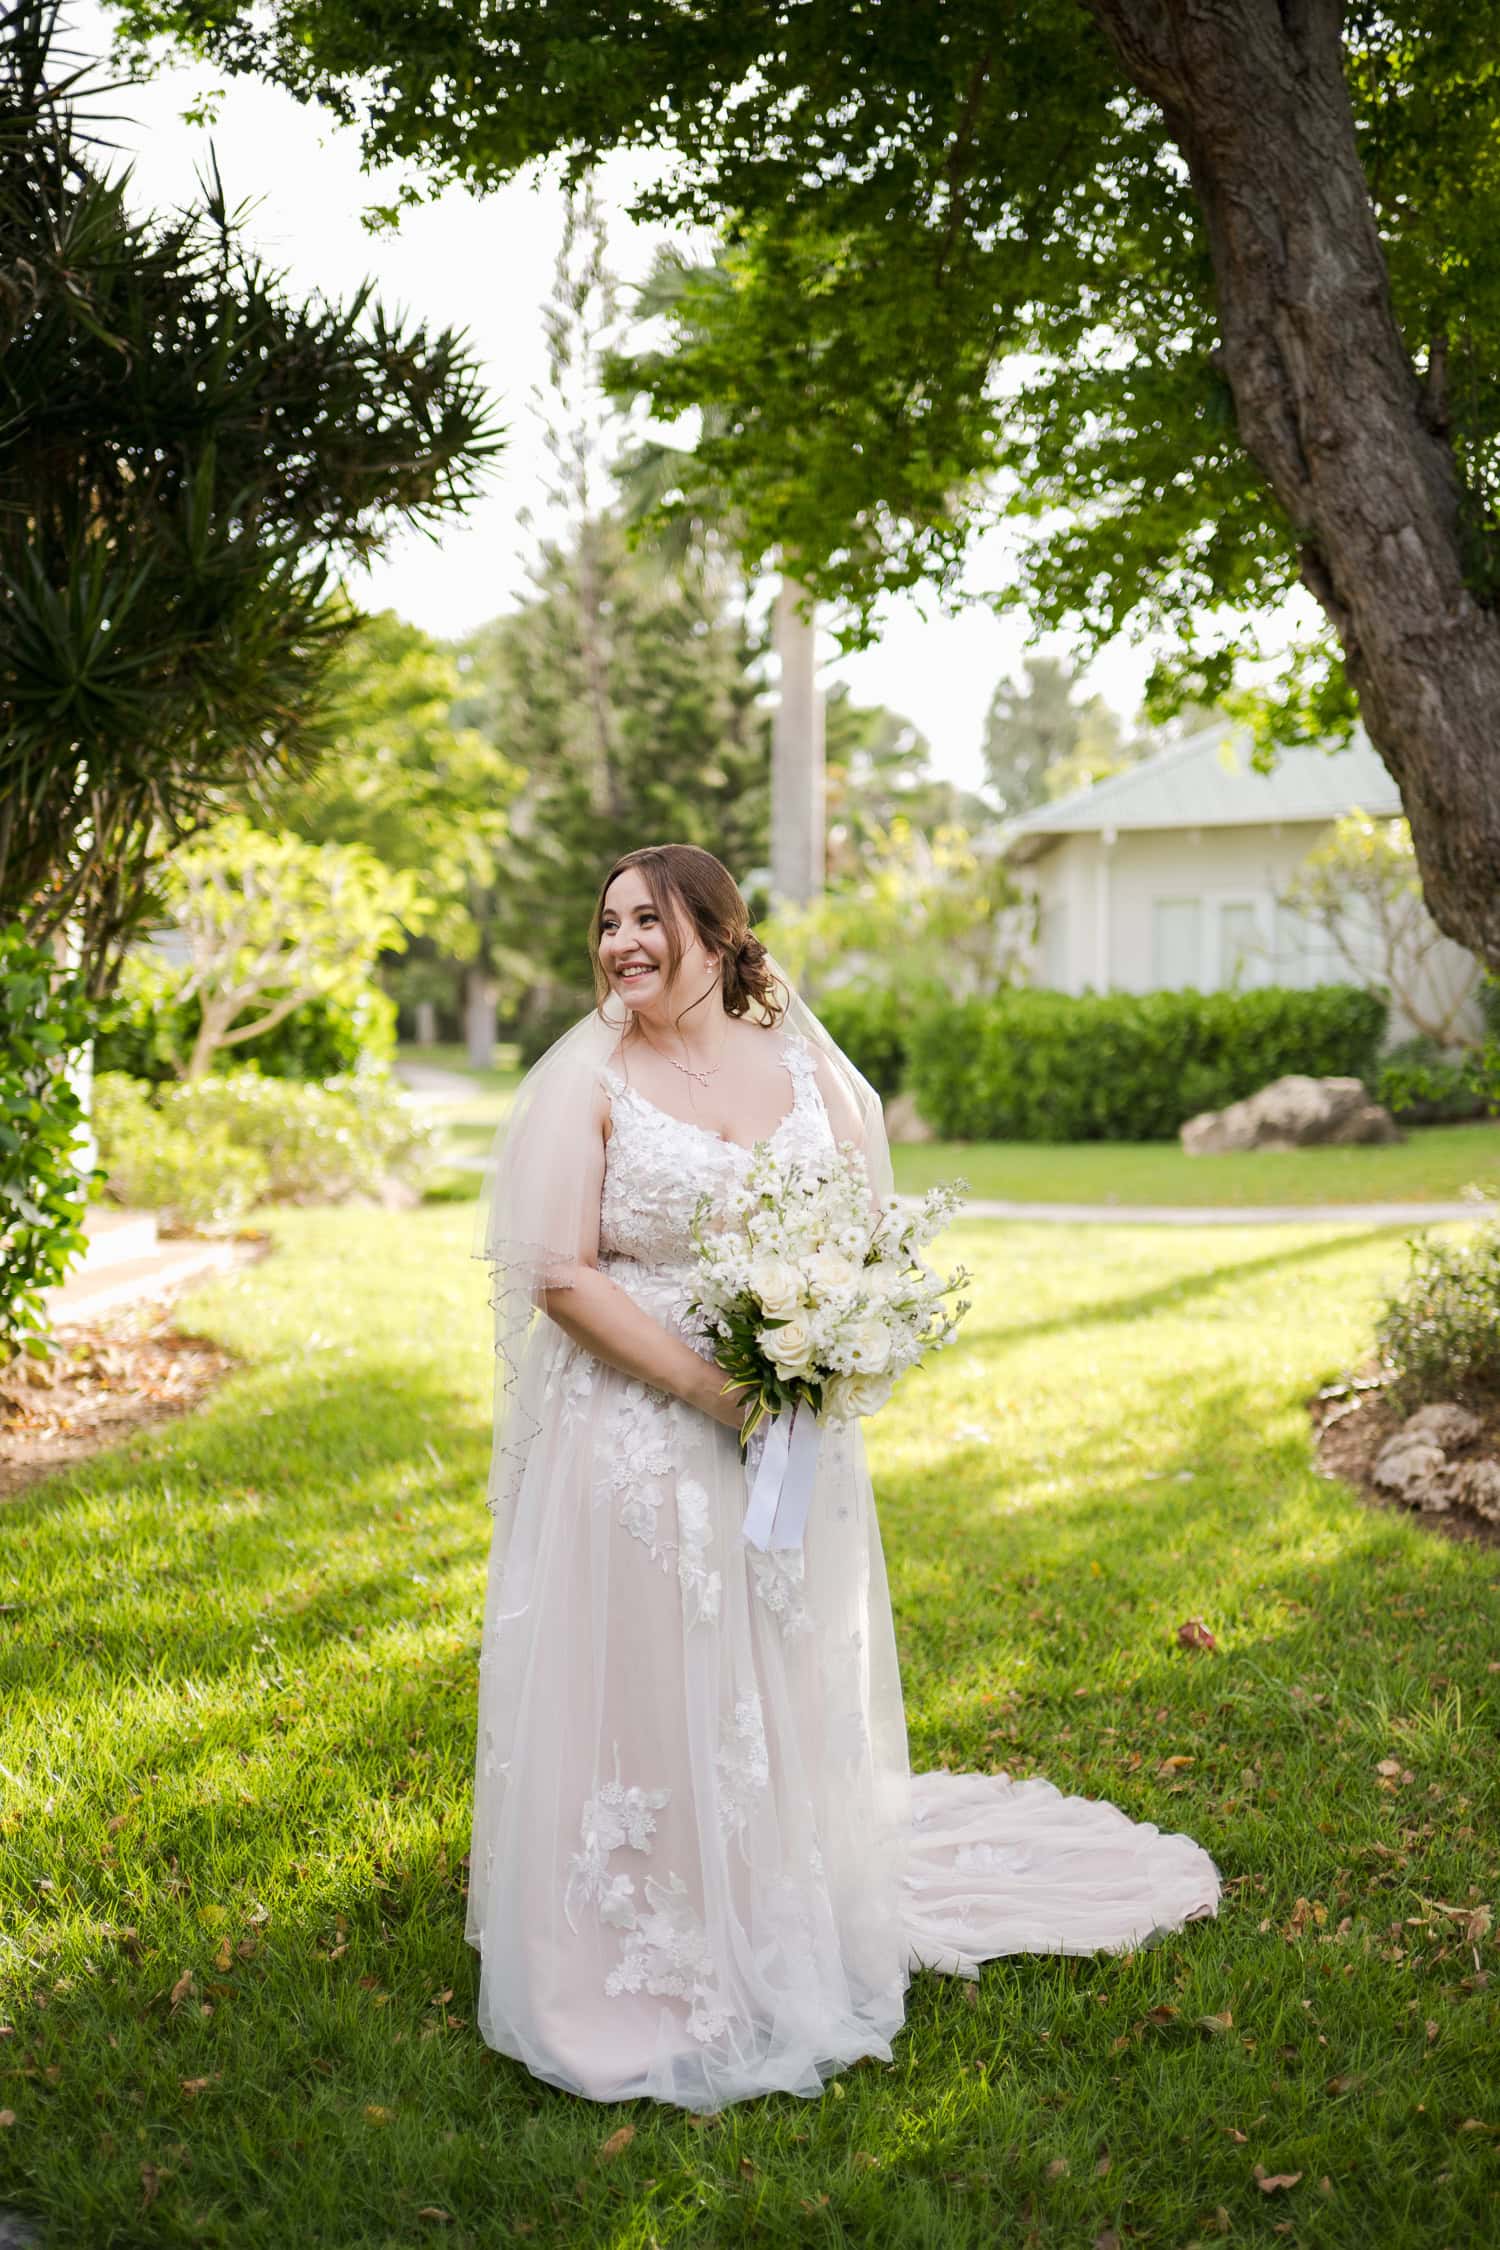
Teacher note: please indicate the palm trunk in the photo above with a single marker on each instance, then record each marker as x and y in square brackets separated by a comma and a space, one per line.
[797, 770]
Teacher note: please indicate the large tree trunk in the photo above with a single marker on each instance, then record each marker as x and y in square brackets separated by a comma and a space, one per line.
[1331, 408]
[797, 769]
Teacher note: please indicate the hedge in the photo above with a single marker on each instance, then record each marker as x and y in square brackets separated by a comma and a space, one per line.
[1045, 1066]
[144, 1032]
[44, 1187]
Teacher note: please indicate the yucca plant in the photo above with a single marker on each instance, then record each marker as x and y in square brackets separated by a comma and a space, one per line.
[187, 458]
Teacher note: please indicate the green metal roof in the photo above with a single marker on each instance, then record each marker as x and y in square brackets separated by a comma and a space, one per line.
[1209, 782]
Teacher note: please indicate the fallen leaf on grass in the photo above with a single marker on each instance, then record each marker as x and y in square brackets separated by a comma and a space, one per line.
[1215, 2023]
[431, 2211]
[181, 1989]
[150, 2184]
[1346, 2082]
[193, 2087]
[699, 2118]
[1268, 2182]
[378, 2114]
[224, 1958]
[615, 2146]
[7, 2117]
[1171, 1765]
[114, 1826]
[1193, 1633]
[809, 2204]
[1058, 2168]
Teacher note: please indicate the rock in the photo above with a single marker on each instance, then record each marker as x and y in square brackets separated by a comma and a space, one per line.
[902, 1121]
[1478, 1484]
[1292, 1112]
[1417, 1471]
[1451, 1427]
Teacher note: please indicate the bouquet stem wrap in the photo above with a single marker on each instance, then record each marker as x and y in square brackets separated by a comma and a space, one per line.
[780, 1485]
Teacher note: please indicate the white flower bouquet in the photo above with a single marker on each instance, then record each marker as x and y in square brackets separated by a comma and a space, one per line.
[817, 1304]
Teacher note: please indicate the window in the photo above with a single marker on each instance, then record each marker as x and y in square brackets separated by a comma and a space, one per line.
[1176, 942]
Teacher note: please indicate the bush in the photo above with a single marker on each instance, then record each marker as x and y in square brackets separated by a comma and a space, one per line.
[870, 1023]
[1044, 1066]
[1440, 1335]
[188, 1174]
[146, 1033]
[44, 1019]
[1421, 1083]
[204, 1153]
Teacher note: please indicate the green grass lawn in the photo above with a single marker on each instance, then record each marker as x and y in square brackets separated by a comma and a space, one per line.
[238, 1690]
[1437, 1164]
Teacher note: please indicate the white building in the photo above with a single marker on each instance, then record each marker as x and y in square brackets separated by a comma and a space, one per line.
[1171, 874]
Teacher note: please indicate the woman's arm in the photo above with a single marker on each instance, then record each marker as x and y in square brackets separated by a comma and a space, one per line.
[606, 1320]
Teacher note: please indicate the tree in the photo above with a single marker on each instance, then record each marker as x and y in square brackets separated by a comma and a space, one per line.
[1211, 289]
[268, 922]
[677, 504]
[1361, 889]
[185, 454]
[1040, 743]
[425, 796]
[675, 696]
[878, 774]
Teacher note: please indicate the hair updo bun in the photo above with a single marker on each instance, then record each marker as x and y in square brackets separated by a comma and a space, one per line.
[748, 982]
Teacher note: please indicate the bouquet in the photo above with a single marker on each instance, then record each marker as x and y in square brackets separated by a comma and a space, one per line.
[816, 1302]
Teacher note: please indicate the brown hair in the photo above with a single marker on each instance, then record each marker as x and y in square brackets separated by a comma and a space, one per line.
[684, 877]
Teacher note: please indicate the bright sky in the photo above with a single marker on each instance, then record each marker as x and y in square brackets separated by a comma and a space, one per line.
[487, 265]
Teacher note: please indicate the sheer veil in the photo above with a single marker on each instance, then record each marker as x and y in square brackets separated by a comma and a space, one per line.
[541, 1175]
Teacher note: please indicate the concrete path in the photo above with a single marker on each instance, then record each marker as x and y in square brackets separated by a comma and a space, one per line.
[124, 1281]
[431, 1083]
[1230, 1215]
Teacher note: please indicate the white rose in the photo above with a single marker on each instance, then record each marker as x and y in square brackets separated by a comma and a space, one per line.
[789, 1347]
[776, 1286]
[870, 1346]
[830, 1269]
[848, 1397]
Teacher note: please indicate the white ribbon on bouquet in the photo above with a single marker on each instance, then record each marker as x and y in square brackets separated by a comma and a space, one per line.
[780, 1484]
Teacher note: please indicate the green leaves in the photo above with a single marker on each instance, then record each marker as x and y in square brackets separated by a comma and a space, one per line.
[186, 455]
[44, 1184]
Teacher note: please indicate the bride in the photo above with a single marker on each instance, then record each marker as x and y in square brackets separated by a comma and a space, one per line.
[700, 1868]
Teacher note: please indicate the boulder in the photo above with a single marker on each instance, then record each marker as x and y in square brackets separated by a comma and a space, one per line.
[1479, 1488]
[902, 1121]
[1416, 1471]
[1292, 1112]
[1451, 1427]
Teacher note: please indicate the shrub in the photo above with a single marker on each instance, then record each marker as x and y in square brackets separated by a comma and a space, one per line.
[869, 1022]
[1045, 1066]
[44, 1019]
[1440, 1334]
[204, 1153]
[1422, 1084]
[190, 1175]
[147, 1033]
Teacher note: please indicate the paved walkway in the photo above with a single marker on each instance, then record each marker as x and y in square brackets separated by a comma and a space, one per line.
[431, 1083]
[1230, 1215]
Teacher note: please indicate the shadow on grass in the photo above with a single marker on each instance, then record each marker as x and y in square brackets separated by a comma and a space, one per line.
[1183, 1288]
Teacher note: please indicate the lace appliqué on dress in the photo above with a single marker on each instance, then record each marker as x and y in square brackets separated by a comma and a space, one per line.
[663, 1947]
[743, 1763]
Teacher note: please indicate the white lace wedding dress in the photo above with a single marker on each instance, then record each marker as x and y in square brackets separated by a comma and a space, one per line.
[700, 1869]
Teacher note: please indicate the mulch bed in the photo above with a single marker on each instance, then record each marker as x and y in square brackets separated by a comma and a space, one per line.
[123, 1371]
[1351, 1422]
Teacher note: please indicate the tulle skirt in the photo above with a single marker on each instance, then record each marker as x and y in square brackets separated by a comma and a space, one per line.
[700, 1868]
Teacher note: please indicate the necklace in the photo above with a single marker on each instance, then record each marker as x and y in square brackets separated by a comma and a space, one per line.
[702, 1076]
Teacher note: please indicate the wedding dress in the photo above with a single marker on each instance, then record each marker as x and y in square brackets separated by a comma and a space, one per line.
[700, 1869]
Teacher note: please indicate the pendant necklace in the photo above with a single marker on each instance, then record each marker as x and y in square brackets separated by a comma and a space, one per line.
[702, 1076]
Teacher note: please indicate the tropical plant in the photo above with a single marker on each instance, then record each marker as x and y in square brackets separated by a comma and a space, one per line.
[45, 1021]
[186, 455]
[267, 922]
